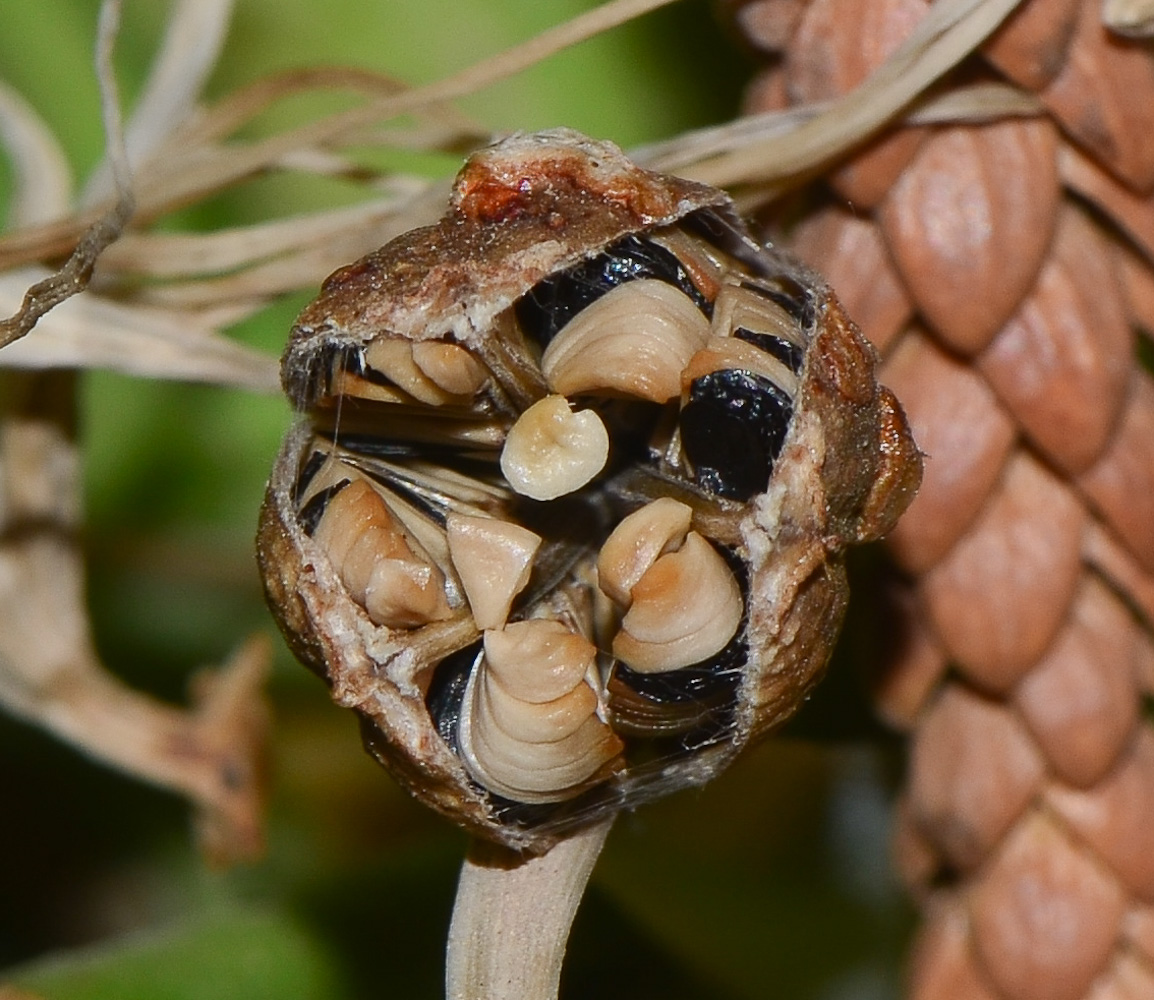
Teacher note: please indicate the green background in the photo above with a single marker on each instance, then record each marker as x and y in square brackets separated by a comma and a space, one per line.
[773, 882]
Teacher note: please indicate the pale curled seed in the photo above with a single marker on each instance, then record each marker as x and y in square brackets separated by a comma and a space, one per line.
[367, 547]
[552, 450]
[450, 366]
[529, 727]
[730, 354]
[537, 660]
[393, 358]
[635, 339]
[534, 772]
[686, 607]
[637, 542]
[493, 558]
[539, 722]
[736, 307]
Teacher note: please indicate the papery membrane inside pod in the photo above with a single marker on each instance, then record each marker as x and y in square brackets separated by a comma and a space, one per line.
[564, 512]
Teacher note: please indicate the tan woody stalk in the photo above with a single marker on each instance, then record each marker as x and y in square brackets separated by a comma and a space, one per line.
[512, 916]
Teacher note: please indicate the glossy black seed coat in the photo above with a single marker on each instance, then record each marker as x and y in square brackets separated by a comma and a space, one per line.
[552, 303]
[786, 351]
[447, 692]
[311, 513]
[732, 430]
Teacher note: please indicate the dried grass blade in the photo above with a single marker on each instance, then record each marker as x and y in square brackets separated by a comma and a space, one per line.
[193, 39]
[43, 179]
[193, 177]
[301, 269]
[90, 332]
[946, 35]
[181, 255]
[74, 276]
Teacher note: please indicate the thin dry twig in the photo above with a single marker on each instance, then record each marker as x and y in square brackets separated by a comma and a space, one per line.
[74, 276]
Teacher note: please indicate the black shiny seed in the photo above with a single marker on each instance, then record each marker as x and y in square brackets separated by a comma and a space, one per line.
[715, 678]
[732, 430]
[447, 692]
[791, 295]
[786, 351]
[545, 309]
[311, 513]
[308, 471]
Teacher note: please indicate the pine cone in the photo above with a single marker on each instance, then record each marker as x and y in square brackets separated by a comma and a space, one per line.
[1001, 269]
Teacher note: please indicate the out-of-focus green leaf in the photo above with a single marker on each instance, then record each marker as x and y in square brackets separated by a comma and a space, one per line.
[229, 956]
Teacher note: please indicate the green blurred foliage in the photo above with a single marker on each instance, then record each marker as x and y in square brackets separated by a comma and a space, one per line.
[772, 882]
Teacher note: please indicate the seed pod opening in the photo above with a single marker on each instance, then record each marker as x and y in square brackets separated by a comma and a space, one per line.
[615, 446]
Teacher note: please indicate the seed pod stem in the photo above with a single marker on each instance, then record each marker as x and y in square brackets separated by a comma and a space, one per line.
[512, 916]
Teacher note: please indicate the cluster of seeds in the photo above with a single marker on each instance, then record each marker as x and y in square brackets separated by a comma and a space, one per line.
[681, 367]
[528, 527]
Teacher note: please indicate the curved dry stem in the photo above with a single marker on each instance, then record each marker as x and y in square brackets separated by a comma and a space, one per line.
[512, 916]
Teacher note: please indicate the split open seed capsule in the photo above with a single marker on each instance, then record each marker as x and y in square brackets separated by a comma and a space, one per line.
[564, 513]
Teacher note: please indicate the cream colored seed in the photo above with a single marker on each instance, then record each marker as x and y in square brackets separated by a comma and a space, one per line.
[449, 365]
[535, 772]
[493, 558]
[635, 339]
[529, 728]
[544, 722]
[722, 353]
[538, 660]
[685, 609]
[737, 307]
[637, 542]
[393, 358]
[367, 547]
[551, 450]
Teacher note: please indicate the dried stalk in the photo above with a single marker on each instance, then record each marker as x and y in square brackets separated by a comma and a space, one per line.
[512, 916]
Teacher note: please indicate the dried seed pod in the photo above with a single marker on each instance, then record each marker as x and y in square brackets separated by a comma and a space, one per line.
[853, 257]
[1036, 877]
[1061, 364]
[1101, 98]
[1002, 592]
[1031, 45]
[628, 601]
[978, 205]
[836, 46]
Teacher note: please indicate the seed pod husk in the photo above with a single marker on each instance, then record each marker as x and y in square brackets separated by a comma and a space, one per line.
[539, 228]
